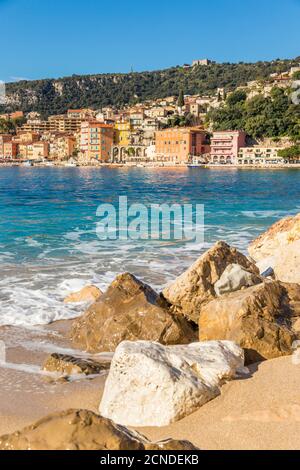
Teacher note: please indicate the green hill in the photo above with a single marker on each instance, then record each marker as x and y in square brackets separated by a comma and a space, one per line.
[53, 96]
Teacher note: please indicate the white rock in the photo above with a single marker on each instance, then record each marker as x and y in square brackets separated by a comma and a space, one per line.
[154, 385]
[234, 278]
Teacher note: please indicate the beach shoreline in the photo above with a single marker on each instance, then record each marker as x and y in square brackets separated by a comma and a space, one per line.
[156, 166]
[236, 420]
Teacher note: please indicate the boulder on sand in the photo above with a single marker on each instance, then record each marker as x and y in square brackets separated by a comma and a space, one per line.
[235, 278]
[83, 430]
[154, 385]
[196, 285]
[87, 294]
[129, 310]
[260, 319]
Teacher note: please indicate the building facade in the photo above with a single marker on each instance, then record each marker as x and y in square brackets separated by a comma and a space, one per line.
[259, 156]
[225, 146]
[96, 141]
[179, 145]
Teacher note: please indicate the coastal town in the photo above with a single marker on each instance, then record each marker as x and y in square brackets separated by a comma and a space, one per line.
[172, 131]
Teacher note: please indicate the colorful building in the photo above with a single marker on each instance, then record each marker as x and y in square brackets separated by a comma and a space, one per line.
[259, 155]
[10, 150]
[96, 140]
[122, 133]
[4, 138]
[225, 146]
[179, 145]
[62, 147]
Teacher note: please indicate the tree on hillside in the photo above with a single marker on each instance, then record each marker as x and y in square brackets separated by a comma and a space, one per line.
[180, 101]
[296, 75]
[237, 96]
[260, 116]
[291, 153]
[7, 126]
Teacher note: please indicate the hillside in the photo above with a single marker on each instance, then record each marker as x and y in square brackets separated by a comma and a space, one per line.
[52, 96]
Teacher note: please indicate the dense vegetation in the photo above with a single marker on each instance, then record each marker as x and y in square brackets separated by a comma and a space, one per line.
[9, 126]
[56, 96]
[272, 116]
[291, 153]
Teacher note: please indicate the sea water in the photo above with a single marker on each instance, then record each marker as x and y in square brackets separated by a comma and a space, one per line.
[48, 241]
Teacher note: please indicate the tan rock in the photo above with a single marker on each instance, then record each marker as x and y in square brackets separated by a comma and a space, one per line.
[276, 238]
[129, 310]
[69, 365]
[287, 263]
[87, 294]
[83, 430]
[196, 285]
[260, 319]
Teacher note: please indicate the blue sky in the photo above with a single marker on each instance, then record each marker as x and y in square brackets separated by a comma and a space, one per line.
[54, 38]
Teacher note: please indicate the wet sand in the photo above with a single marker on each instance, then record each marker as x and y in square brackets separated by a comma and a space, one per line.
[261, 411]
[25, 394]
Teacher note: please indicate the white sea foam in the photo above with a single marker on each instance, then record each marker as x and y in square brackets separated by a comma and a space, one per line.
[33, 294]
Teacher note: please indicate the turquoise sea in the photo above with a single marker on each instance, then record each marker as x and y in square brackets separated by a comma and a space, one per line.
[48, 241]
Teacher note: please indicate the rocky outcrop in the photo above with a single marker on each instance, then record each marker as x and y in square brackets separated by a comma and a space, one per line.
[129, 310]
[83, 430]
[195, 287]
[235, 278]
[287, 263]
[65, 365]
[260, 319]
[279, 249]
[154, 385]
[87, 294]
[276, 239]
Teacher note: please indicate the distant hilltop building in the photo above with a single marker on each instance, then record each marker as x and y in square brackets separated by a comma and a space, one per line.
[202, 62]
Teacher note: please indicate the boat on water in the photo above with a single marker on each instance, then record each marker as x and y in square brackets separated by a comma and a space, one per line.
[196, 162]
[70, 165]
[27, 163]
[196, 165]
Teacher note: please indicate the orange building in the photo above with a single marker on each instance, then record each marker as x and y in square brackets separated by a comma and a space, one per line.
[96, 140]
[177, 145]
[10, 150]
[26, 137]
[3, 139]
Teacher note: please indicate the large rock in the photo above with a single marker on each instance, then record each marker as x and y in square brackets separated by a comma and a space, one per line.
[65, 365]
[83, 430]
[87, 294]
[276, 238]
[287, 263]
[235, 278]
[129, 310]
[260, 319]
[154, 385]
[196, 285]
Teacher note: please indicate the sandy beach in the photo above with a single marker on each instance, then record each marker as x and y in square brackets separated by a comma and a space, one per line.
[26, 394]
[262, 411]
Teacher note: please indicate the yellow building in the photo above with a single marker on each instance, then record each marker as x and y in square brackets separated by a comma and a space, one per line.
[122, 133]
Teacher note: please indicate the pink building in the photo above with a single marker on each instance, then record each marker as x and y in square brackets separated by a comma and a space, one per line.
[225, 146]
